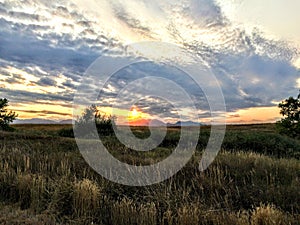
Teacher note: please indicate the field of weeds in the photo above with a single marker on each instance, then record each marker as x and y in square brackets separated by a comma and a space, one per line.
[254, 180]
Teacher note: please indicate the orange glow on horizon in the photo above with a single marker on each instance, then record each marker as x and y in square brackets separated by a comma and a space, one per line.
[254, 115]
[135, 116]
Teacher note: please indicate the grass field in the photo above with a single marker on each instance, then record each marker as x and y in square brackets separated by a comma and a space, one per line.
[254, 180]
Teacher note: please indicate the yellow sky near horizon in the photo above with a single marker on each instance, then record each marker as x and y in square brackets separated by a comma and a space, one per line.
[57, 112]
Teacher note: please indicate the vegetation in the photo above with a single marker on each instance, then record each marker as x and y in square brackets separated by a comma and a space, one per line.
[6, 117]
[290, 124]
[45, 180]
[89, 118]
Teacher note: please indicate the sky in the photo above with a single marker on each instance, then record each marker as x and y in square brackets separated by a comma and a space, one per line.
[252, 47]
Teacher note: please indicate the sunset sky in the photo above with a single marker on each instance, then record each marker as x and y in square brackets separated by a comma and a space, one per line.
[251, 45]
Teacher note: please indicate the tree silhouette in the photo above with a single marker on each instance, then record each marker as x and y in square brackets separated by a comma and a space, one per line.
[290, 124]
[6, 117]
[92, 117]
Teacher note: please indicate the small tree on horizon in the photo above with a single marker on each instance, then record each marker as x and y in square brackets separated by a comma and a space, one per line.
[92, 115]
[290, 110]
[6, 116]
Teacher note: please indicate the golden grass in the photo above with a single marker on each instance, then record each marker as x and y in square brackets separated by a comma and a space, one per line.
[86, 198]
[48, 179]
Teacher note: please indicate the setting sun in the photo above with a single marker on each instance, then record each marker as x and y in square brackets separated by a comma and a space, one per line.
[134, 113]
[136, 117]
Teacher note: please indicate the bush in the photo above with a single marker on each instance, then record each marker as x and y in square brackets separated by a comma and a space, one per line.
[66, 132]
[85, 124]
[91, 117]
[104, 125]
[263, 143]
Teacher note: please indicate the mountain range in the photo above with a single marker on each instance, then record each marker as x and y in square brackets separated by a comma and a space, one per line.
[141, 122]
[41, 121]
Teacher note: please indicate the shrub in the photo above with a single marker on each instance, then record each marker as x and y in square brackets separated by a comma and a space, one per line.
[263, 143]
[66, 132]
[92, 117]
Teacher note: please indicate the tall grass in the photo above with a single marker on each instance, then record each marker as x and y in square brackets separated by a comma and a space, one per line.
[46, 176]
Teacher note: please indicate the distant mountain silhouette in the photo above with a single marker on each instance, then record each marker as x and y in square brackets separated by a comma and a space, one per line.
[66, 121]
[140, 122]
[184, 123]
[159, 123]
[41, 121]
[34, 121]
[156, 123]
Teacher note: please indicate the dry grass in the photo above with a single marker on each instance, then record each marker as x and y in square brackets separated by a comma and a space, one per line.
[267, 215]
[44, 180]
[86, 198]
[12, 215]
[128, 212]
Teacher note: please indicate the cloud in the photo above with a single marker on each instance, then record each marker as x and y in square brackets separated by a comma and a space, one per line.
[24, 16]
[259, 73]
[234, 116]
[28, 49]
[204, 12]
[46, 81]
[63, 39]
[12, 80]
[69, 83]
[130, 21]
[27, 96]
[45, 112]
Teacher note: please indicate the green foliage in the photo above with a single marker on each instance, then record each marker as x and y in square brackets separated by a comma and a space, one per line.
[270, 144]
[6, 117]
[290, 124]
[85, 123]
[66, 132]
[91, 117]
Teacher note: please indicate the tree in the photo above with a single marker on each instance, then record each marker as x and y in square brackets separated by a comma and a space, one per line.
[290, 124]
[6, 117]
[91, 115]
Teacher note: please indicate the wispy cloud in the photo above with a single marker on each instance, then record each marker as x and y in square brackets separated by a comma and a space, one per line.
[54, 42]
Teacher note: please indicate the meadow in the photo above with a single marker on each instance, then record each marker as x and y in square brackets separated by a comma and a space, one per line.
[254, 180]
